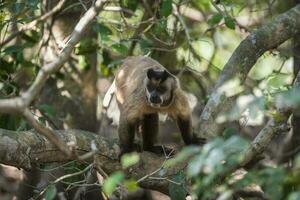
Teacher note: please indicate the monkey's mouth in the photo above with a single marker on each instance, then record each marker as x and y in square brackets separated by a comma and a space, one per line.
[155, 105]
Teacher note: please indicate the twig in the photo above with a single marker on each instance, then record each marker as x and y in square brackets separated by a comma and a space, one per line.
[152, 173]
[33, 23]
[226, 14]
[64, 177]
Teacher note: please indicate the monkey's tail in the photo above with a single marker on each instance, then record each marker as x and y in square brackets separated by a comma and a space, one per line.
[109, 95]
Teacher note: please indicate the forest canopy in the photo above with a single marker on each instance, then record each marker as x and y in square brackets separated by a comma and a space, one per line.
[238, 62]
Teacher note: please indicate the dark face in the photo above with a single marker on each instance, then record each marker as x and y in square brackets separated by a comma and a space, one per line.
[159, 87]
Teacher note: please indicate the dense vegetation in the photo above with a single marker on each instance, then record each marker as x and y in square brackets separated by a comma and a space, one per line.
[239, 60]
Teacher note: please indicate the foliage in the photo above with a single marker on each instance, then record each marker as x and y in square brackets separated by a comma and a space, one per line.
[210, 169]
[193, 39]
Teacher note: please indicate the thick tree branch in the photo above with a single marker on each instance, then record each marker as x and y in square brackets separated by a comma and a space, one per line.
[263, 139]
[32, 24]
[26, 149]
[242, 60]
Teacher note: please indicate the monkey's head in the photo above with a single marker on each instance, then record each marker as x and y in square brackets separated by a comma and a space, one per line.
[160, 85]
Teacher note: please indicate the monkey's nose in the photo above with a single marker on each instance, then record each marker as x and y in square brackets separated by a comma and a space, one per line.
[155, 99]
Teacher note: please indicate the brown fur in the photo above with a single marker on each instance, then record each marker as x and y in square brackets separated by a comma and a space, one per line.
[134, 107]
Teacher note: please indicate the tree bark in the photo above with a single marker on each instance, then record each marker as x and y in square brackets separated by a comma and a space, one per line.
[27, 149]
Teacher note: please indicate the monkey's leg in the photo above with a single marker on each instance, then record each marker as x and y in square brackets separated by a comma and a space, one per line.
[126, 135]
[149, 131]
[185, 127]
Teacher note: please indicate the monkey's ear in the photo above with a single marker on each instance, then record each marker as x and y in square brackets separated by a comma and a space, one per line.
[164, 75]
[150, 74]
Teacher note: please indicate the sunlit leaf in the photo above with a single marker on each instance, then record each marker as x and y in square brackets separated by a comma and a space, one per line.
[129, 159]
[120, 48]
[294, 196]
[278, 80]
[50, 192]
[289, 99]
[112, 182]
[131, 185]
[195, 165]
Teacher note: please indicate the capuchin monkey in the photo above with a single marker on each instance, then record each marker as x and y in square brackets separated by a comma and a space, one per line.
[144, 88]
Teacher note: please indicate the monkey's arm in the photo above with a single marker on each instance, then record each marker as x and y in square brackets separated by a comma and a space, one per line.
[185, 126]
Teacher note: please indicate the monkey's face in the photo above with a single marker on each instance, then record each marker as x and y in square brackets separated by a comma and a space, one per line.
[159, 88]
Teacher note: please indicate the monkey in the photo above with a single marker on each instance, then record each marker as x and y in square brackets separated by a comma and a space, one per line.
[144, 88]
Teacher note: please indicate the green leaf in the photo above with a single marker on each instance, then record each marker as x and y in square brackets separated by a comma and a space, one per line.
[195, 165]
[297, 162]
[13, 49]
[129, 159]
[229, 22]
[294, 196]
[215, 19]
[121, 48]
[166, 8]
[278, 80]
[48, 109]
[33, 4]
[229, 132]
[86, 46]
[289, 99]
[50, 192]
[131, 185]
[160, 27]
[103, 30]
[16, 8]
[130, 4]
[177, 187]
[112, 182]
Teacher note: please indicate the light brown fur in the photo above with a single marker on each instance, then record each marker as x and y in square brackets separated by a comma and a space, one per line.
[134, 107]
[131, 97]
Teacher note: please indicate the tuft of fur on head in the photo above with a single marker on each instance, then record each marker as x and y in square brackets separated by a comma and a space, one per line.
[159, 86]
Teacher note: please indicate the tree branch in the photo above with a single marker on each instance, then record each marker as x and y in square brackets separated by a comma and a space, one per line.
[242, 60]
[20, 104]
[26, 149]
[32, 24]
